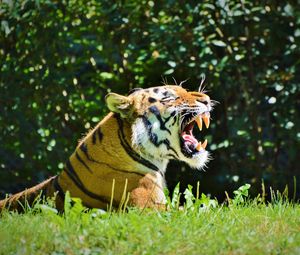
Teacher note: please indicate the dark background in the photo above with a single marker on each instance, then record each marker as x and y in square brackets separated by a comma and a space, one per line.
[58, 59]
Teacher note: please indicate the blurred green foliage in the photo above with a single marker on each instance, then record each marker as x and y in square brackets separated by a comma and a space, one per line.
[58, 59]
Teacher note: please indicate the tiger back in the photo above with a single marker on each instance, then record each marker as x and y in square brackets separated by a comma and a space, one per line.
[126, 155]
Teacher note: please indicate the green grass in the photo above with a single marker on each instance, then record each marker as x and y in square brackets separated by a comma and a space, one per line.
[242, 227]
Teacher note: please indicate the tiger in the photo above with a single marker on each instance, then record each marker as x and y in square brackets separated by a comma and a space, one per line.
[129, 150]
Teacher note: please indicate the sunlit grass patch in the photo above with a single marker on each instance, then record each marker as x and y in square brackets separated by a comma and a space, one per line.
[200, 226]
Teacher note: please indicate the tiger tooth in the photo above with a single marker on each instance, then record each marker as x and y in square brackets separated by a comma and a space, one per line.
[204, 144]
[198, 119]
[198, 147]
[206, 120]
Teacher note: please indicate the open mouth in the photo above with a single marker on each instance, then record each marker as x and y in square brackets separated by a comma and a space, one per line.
[189, 144]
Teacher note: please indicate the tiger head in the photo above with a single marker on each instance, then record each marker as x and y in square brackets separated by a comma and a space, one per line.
[162, 120]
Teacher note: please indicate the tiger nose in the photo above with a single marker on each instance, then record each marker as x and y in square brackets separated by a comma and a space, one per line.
[204, 99]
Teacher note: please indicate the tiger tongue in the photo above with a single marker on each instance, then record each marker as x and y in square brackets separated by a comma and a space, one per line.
[190, 138]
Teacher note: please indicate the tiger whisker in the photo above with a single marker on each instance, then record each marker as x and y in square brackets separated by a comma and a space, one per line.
[182, 82]
[174, 81]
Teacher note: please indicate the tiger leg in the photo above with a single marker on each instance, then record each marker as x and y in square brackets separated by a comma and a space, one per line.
[149, 193]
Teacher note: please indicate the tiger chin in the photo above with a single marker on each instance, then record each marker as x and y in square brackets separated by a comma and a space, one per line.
[127, 153]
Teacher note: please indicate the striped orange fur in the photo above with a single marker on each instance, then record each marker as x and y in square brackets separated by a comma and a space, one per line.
[129, 150]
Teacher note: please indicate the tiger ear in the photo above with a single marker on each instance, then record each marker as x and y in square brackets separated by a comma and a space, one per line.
[119, 104]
